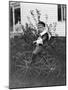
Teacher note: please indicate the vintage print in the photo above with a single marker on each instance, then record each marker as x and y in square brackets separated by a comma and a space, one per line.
[37, 35]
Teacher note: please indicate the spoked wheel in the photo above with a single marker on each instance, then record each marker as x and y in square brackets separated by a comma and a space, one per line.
[42, 68]
[46, 64]
[52, 64]
[22, 64]
[23, 69]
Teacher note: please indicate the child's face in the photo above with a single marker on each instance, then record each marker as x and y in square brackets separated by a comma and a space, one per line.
[40, 27]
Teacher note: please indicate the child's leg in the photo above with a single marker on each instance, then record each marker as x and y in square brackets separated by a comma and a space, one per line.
[37, 50]
[33, 58]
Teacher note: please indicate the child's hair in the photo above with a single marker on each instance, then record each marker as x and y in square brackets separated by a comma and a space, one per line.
[40, 22]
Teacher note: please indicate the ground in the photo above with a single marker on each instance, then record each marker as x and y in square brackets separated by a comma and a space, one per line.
[50, 67]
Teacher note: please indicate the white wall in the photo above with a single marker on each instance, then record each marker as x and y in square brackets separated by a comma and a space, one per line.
[60, 29]
[49, 9]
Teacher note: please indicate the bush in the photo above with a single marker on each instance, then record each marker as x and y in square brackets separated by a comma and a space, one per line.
[29, 37]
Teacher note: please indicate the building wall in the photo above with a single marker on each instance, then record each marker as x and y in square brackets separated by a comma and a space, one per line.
[49, 9]
[61, 29]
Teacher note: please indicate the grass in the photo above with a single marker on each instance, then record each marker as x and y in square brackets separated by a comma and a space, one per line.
[50, 69]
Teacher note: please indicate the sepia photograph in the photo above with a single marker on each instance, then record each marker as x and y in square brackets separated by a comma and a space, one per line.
[37, 44]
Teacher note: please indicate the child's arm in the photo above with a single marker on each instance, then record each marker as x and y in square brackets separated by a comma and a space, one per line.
[38, 41]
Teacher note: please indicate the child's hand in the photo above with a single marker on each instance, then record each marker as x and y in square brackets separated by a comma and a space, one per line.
[34, 42]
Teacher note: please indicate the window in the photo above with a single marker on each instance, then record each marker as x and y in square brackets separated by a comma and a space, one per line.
[64, 12]
[61, 12]
[17, 15]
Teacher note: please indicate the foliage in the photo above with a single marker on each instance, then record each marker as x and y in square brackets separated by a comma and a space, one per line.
[29, 35]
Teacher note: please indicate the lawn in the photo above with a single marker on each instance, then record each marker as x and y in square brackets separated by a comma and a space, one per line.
[50, 67]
